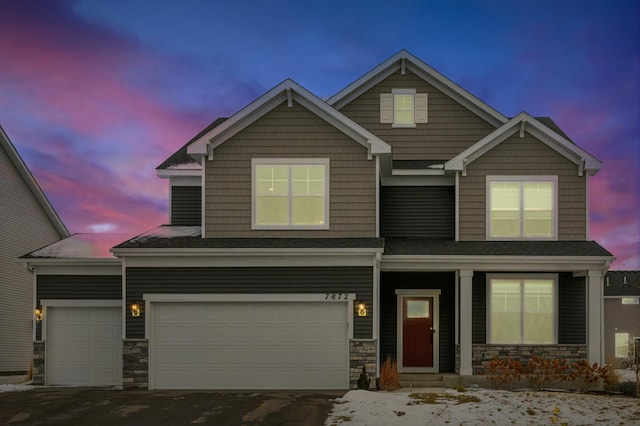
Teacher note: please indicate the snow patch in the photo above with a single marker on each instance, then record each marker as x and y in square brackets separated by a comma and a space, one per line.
[81, 246]
[185, 166]
[360, 407]
[166, 232]
[15, 388]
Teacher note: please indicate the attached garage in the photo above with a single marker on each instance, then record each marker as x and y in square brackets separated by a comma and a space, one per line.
[249, 344]
[83, 343]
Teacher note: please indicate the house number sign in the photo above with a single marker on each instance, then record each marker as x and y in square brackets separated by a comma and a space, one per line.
[336, 296]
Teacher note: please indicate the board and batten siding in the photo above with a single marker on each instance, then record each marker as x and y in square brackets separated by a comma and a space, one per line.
[417, 211]
[444, 281]
[451, 128]
[77, 287]
[258, 280]
[24, 227]
[290, 133]
[186, 205]
[572, 305]
[523, 157]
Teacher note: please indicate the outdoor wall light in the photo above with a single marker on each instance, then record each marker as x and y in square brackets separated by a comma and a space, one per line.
[135, 309]
[362, 309]
[38, 313]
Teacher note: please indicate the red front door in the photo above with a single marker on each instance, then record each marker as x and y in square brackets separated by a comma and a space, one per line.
[417, 332]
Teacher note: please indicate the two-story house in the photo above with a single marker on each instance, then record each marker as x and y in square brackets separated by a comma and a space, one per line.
[27, 221]
[401, 217]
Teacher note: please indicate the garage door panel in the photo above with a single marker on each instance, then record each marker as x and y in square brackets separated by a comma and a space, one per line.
[84, 346]
[249, 345]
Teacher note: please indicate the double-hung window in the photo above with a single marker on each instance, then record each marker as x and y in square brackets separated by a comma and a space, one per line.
[290, 193]
[622, 345]
[522, 310]
[522, 207]
[403, 108]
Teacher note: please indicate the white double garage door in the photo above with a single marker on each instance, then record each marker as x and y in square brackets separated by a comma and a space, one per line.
[209, 345]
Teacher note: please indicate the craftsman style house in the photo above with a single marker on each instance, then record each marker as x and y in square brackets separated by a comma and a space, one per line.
[309, 238]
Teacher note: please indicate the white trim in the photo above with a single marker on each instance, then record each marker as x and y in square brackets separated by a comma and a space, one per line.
[378, 196]
[203, 200]
[123, 301]
[521, 180]
[408, 293]
[195, 180]
[289, 162]
[150, 298]
[62, 267]
[522, 277]
[173, 173]
[274, 97]
[587, 209]
[376, 309]
[595, 316]
[72, 303]
[412, 92]
[457, 207]
[466, 322]
[424, 71]
[544, 134]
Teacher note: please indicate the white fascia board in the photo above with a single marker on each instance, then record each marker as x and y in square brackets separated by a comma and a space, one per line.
[497, 263]
[552, 139]
[78, 269]
[424, 71]
[70, 262]
[224, 252]
[169, 173]
[288, 89]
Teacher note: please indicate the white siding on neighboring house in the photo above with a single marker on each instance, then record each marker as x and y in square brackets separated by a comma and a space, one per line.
[24, 226]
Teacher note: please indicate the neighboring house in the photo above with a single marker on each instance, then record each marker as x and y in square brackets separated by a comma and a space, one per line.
[621, 315]
[27, 221]
[401, 217]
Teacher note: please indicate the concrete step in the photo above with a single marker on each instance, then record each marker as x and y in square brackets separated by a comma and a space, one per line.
[421, 380]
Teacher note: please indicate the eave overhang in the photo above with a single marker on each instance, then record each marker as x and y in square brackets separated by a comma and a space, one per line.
[403, 60]
[521, 123]
[288, 91]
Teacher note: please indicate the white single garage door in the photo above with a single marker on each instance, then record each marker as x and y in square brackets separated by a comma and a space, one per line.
[84, 346]
[249, 345]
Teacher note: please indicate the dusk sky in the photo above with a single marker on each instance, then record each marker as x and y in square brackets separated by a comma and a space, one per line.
[95, 94]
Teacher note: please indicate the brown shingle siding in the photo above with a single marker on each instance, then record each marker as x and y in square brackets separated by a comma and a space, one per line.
[450, 130]
[290, 133]
[522, 157]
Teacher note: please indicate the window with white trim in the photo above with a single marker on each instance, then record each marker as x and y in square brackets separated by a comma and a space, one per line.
[630, 300]
[522, 310]
[290, 193]
[522, 207]
[403, 108]
[622, 345]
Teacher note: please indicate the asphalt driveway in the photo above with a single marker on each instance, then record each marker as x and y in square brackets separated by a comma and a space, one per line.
[96, 406]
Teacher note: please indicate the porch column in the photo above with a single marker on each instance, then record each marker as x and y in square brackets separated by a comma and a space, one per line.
[595, 302]
[466, 368]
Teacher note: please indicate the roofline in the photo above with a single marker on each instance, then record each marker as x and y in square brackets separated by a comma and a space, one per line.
[224, 252]
[33, 185]
[525, 122]
[50, 261]
[288, 91]
[168, 173]
[491, 262]
[405, 60]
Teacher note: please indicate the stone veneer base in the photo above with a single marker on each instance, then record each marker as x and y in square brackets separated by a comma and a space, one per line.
[362, 353]
[135, 363]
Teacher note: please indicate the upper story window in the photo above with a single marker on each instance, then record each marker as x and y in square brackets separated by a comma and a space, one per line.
[522, 207]
[290, 193]
[403, 108]
[522, 310]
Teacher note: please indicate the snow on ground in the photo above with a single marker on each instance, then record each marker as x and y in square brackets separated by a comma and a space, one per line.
[15, 388]
[481, 407]
[14, 384]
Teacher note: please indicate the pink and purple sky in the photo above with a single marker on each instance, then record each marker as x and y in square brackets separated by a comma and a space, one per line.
[95, 94]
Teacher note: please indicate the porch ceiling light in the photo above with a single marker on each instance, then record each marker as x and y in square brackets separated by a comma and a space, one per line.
[135, 309]
[362, 309]
[38, 312]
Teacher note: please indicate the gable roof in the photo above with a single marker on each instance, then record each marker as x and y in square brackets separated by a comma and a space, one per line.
[288, 91]
[404, 60]
[32, 184]
[524, 122]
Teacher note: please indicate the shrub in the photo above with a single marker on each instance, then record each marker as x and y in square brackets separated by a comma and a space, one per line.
[588, 375]
[504, 373]
[542, 371]
[389, 375]
[626, 388]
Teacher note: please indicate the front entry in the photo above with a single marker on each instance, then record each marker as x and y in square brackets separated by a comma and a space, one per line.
[417, 329]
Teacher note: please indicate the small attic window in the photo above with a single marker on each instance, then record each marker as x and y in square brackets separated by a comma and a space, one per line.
[403, 108]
